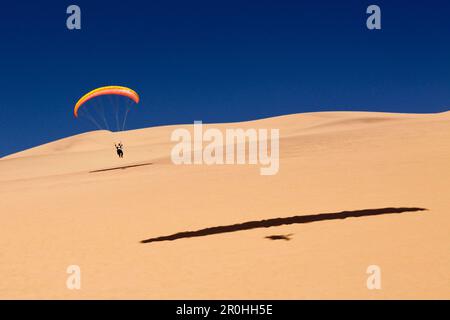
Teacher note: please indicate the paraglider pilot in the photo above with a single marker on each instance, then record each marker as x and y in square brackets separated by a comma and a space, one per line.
[119, 150]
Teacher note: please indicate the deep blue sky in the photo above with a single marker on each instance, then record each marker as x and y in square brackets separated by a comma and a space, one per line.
[217, 61]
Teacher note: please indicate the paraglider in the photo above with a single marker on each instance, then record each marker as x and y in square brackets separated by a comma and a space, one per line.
[102, 113]
[119, 149]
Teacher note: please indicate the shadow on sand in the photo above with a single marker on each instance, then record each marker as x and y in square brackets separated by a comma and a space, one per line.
[282, 221]
[122, 167]
[286, 237]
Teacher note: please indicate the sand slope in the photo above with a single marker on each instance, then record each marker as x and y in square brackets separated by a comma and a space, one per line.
[56, 212]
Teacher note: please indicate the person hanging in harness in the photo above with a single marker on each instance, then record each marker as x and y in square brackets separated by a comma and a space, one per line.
[119, 149]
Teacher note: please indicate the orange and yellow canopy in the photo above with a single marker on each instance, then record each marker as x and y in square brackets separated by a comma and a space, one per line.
[117, 90]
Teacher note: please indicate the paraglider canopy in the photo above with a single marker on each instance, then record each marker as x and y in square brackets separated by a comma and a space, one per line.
[107, 90]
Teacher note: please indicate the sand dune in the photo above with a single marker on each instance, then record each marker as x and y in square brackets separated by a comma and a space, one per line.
[220, 228]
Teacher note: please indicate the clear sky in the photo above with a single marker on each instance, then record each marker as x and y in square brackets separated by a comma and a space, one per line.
[217, 61]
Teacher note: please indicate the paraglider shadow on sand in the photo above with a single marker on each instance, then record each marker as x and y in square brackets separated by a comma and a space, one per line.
[122, 167]
[282, 221]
